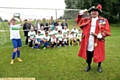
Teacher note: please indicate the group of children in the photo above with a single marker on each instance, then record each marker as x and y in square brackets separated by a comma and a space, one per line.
[53, 38]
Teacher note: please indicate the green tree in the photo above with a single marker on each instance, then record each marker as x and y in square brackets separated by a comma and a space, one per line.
[111, 9]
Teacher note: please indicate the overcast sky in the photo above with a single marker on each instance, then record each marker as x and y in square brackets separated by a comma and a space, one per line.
[30, 13]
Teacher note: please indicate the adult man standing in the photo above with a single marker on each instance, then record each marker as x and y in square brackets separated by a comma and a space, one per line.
[64, 23]
[26, 28]
[37, 25]
[45, 24]
[94, 30]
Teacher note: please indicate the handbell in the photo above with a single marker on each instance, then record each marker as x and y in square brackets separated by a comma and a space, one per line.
[85, 11]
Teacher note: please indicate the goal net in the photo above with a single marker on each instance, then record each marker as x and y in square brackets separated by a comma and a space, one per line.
[2, 34]
[33, 14]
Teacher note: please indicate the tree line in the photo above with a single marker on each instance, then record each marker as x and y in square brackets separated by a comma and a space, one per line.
[110, 8]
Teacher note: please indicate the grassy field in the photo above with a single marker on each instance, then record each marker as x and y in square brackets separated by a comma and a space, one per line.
[60, 64]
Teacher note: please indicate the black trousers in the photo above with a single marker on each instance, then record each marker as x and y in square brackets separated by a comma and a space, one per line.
[60, 43]
[90, 56]
[52, 45]
[26, 40]
[31, 43]
[65, 43]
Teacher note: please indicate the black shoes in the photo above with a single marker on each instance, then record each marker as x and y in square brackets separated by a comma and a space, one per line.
[99, 69]
[87, 69]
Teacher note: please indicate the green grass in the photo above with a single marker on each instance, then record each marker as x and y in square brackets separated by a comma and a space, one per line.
[61, 64]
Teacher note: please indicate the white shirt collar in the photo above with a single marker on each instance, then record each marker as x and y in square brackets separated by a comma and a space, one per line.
[95, 18]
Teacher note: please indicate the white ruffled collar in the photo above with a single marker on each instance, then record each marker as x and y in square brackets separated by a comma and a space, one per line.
[95, 18]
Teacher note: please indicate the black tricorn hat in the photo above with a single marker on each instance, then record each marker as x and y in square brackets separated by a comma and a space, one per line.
[96, 8]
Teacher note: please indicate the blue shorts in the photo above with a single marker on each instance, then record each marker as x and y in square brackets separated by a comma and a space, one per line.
[16, 43]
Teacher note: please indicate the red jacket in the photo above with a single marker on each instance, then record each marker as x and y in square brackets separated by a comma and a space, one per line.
[99, 50]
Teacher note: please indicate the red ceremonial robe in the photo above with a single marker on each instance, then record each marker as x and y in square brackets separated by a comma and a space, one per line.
[99, 50]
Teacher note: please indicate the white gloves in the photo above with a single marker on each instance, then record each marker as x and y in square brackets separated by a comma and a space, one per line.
[99, 36]
[81, 12]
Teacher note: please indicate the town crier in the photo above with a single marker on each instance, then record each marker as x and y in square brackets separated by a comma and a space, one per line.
[94, 31]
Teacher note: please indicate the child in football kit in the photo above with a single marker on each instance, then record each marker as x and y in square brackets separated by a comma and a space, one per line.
[65, 40]
[15, 37]
[42, 31]
[38, 40]
[68, 37]
[79, 37]
[46, 40]
[53, 41]
[60, 39]
[55, 32]
[72, 38]
[75, 30]
[31, 37]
